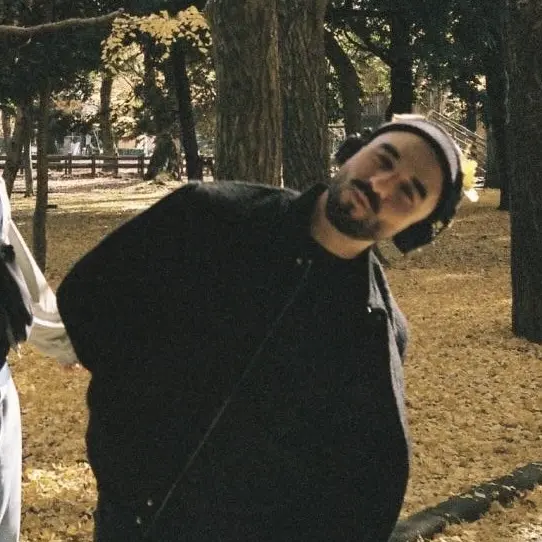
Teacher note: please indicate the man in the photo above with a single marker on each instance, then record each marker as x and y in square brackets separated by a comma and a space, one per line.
[246, 352]
[27, 312]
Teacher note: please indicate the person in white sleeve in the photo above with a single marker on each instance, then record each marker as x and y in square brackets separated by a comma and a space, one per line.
[43, 328]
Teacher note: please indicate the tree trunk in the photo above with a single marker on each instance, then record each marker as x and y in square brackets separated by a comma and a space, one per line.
[194, 166]
[42, 191]
[15, 150]
[161, 110]
[471, 114]
[150, 91]
[349, 85]
[6, 129]
[106, 127]
[496, 85]
[491, 165]
[28, 171]
[160, 159]
[305, 153]
[401, 68]
[176, 162]
[524, 135]
[248, 141]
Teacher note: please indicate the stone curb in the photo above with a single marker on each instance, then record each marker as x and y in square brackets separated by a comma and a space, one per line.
[468, 506]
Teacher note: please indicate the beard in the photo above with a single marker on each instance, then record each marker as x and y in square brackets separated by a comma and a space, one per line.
[339, 214]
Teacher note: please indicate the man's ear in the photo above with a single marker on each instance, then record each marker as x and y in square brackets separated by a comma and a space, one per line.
[416, 235]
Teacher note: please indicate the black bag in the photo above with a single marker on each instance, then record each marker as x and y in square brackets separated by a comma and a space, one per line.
[15, 302]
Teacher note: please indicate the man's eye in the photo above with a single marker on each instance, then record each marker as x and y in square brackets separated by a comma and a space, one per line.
[408, 191]
[386, 163]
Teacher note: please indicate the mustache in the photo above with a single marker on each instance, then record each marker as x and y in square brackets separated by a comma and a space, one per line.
[365, 188]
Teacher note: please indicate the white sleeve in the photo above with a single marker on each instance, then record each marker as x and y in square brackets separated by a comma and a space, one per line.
[48, 333]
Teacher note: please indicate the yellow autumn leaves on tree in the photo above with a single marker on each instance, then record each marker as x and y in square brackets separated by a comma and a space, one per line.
[164, 29]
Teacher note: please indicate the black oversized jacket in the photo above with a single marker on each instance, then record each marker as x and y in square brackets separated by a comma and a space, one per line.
[196, 298]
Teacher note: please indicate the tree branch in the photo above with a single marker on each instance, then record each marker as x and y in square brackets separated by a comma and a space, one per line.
[57, 26]
[359, 45]
[363, 33]
[356, 20]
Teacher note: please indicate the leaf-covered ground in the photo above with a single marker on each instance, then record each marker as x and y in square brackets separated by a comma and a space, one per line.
[474, 399]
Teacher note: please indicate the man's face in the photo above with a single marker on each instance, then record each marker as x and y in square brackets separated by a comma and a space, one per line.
[388, 185]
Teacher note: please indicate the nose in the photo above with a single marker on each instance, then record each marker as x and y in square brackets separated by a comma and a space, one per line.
[383, 183]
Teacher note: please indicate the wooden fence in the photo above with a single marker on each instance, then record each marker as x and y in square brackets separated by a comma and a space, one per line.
[92, 163]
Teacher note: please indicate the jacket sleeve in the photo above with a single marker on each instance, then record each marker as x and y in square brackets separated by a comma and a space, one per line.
[48, 334]
[400, 327]
[397, 319]
[116, 301]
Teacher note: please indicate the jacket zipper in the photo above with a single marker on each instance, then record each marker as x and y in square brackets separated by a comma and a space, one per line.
[250, 365]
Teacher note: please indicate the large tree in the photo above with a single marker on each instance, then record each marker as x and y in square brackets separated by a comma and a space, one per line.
[271, 92]
[305, 156]
[249, 114]
[524, 22]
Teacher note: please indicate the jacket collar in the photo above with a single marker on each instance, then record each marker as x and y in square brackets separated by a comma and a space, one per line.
[295, 228]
